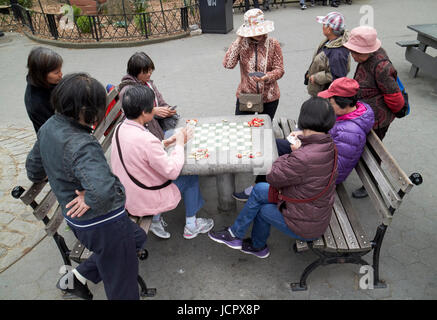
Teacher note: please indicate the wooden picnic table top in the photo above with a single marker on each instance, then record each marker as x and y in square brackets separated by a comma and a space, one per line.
[428, 30]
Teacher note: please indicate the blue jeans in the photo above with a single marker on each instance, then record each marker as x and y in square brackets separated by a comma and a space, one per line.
[263, 215]
[190, 191]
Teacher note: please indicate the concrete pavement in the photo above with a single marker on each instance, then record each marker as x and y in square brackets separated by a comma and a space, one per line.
[189, 73]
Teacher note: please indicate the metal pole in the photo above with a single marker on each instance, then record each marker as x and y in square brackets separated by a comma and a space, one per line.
[42, 10]
[125, 19]
[163, 16]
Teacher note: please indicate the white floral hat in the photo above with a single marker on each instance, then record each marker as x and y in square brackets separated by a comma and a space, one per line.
[254, 24]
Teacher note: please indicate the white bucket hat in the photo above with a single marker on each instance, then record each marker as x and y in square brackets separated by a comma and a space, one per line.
[254, 24]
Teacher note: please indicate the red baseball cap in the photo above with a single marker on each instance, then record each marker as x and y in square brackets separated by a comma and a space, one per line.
[341, 87]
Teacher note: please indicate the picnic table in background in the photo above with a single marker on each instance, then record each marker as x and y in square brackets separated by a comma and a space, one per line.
[416, 49]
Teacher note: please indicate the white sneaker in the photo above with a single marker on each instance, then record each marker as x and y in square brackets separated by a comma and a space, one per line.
[202, 226]
[158, 229]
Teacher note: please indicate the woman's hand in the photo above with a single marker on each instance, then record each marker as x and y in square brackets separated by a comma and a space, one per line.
[262, 79]
[296, 133]
[163, 112]
[79, 207]
[184, 135]
[296, 145]
[169, 141]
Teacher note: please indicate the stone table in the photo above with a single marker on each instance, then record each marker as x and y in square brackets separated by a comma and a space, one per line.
[225, 163]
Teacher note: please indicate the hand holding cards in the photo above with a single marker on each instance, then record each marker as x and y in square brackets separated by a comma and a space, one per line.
[292, 139]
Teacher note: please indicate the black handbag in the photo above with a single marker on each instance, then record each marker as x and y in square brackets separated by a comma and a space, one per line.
[168, 123]
[138, 183]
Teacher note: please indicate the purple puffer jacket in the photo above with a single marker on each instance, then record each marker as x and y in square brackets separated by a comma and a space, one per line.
[349, 134]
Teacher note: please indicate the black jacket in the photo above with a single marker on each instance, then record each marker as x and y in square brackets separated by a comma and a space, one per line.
[37, 101]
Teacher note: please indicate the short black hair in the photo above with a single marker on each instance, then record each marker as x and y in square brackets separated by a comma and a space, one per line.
[139, 62]
[344, 102]
[136, 99]
[77, 96]
[316, 114]
[40, 62]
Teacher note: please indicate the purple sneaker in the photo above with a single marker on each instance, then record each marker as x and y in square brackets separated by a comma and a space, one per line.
[260, 253]
[225, 237]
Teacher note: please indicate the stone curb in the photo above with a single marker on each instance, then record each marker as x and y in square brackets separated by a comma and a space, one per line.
[121, 44]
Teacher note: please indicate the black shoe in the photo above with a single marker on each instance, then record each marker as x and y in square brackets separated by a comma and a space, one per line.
[240, 196]
[334, 4]
[78, 289]
[360, 193]
[1, 34]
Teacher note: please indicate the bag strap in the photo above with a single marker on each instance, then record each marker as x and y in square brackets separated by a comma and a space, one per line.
[287, 199]
[138, 183]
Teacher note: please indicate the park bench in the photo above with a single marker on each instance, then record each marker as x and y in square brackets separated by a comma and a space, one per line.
[345, 240]
[49, 212]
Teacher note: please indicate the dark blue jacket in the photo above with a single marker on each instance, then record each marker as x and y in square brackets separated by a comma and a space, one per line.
[73, 159]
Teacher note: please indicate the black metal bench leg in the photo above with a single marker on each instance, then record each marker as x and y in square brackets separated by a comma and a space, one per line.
[145, 292]
[377, 242]
[302, 286]
[62, 246]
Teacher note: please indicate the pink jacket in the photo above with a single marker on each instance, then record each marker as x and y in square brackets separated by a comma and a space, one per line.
[146, 160]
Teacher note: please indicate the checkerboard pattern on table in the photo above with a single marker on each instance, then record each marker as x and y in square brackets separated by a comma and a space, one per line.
[222, 136]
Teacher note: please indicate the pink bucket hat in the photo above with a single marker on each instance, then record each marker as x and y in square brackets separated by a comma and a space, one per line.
[254, 24]
[363, 39]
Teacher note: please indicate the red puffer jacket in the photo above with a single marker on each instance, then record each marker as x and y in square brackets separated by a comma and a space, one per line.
[303, 174]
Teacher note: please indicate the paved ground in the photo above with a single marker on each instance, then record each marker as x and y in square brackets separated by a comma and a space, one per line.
[189, 73]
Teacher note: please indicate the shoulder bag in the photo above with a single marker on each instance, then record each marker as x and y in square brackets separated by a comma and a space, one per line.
[253, 102]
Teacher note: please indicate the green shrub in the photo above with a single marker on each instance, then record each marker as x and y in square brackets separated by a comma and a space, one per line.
[140, 23]
[83, 23]
[23, 3]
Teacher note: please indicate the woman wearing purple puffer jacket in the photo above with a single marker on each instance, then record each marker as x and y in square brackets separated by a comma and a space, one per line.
[353, 123]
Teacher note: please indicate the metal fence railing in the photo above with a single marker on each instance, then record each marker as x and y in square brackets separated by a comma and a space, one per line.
[104, 27]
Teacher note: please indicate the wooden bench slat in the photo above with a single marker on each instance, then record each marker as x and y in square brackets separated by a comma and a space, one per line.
[291, 124]
[384, 185]
[353, 218]
[45, 205]
[106, 143]
[337, 234]
[145, 222]
[319, 243]
[301, 246]
[106, 122]
[284, 125]
[345, 226]
[55, 222]
[392, 165]
[85, 254]
[32, 192]
[374, 194]
[277, 129]
[111, 95]
[76, 252]
[330, 244]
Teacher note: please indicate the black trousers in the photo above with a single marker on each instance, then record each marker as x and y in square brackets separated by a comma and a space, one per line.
[247, 4]
[114, 260]
[269, 108]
